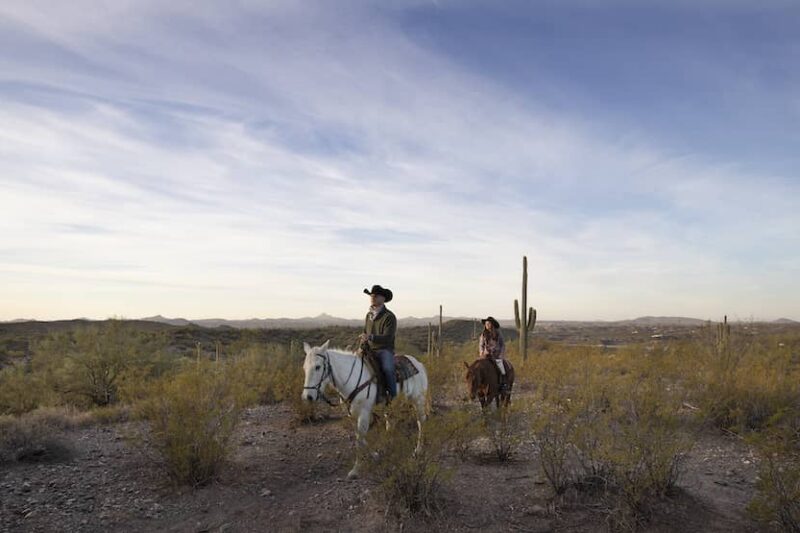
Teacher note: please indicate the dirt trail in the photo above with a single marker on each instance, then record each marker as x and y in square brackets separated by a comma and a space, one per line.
[286, 478]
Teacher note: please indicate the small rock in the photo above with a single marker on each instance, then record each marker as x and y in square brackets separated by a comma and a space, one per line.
[537, 510]
[266, 492]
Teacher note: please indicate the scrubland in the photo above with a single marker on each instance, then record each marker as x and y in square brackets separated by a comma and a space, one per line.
[699, 433]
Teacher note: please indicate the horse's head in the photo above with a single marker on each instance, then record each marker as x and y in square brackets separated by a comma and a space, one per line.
[317, 368]
[473, 381]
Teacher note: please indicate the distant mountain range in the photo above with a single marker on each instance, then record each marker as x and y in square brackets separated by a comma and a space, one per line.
[318, 321]
[324, 320]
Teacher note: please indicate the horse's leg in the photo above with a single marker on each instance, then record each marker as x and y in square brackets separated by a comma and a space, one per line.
[420, 403]
[362, 426]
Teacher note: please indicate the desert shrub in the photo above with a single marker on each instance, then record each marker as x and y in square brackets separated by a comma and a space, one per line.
[743, 385]
[19, 391]
[192, 418]
[408, 482]
[266, 374]
[464, 426]
[554, 434]
[609, 426]
[777, 501]
[643, 460]
[85, 367]
[110, 414]
[446, 373]
[31, 438]
[505, 428]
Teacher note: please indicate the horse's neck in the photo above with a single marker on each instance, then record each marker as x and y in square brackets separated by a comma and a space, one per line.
[346, 369]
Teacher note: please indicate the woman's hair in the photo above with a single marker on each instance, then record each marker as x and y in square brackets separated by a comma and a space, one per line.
[493, 333]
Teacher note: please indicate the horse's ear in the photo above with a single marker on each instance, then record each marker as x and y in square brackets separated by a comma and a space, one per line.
[306, 347]
[466, 365]
[325, 346]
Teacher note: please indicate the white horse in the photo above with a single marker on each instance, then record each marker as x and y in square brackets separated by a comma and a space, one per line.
[353, 380]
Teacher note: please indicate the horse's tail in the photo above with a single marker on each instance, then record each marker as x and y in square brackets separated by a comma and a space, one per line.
[422, 382]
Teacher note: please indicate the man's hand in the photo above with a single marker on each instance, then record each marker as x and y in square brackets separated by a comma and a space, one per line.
[363, 338]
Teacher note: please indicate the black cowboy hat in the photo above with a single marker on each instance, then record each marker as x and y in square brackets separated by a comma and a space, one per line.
[377, 289]
[491, 319]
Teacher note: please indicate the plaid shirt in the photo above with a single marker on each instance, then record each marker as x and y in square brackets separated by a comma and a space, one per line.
[492, 348]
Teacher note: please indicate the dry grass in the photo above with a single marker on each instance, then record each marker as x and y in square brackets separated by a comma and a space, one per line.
[35, 437]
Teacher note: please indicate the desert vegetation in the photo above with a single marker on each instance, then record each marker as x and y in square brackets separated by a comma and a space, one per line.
[604, 429]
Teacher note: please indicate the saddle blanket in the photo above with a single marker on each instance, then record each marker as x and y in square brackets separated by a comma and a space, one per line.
[404, 368]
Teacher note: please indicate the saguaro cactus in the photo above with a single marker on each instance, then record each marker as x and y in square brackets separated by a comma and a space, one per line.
[524, 326]
[723, 336]
[439, 337]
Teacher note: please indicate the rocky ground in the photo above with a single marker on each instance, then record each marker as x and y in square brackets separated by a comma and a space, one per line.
[292, 478]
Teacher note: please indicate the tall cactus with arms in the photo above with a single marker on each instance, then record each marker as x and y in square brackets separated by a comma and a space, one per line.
[524, 326]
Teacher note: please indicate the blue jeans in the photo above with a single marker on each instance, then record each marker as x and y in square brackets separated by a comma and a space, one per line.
[386, 357]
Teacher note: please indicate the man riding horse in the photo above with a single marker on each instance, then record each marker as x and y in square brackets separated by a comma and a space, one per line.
[380, 327]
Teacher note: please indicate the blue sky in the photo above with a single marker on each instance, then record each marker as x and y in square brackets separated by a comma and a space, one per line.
[264, 159]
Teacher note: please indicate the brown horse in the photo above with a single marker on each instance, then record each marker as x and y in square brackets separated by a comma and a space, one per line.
[483, 382]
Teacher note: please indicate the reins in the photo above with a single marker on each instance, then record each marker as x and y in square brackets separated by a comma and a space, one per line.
[328, 371]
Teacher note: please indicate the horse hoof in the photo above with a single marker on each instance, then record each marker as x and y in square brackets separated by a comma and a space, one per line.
[353, 474]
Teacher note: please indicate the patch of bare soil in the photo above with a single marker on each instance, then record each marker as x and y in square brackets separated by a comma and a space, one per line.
[287, 478]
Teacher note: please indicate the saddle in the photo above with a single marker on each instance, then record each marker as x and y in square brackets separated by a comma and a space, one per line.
[403, 369]
[503, 379]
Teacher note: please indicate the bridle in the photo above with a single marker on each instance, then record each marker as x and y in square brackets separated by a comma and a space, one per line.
[327, 371]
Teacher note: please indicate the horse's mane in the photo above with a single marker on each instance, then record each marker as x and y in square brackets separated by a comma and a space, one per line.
[342, 351]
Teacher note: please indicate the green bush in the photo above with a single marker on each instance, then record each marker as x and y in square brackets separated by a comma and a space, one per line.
[777, 501]
[554, 434]
[19, 391]
[505, 428]
[268, 374]
[464, 426]
[409, 482]
[87, 366]
[610, 427]
[746, 381]
[192, 419]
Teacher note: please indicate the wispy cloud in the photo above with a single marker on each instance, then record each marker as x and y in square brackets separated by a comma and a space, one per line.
[256, 161]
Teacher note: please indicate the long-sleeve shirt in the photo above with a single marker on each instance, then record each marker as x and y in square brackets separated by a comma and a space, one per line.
[381, 329]
[492, 348]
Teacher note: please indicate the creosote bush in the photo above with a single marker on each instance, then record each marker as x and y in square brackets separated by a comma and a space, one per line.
[192, 418]
[464, 426]
[610, 427]
[409, 482]
[506, 428]
[777, 502]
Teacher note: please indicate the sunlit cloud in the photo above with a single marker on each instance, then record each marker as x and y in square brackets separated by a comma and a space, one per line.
[272, 161]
